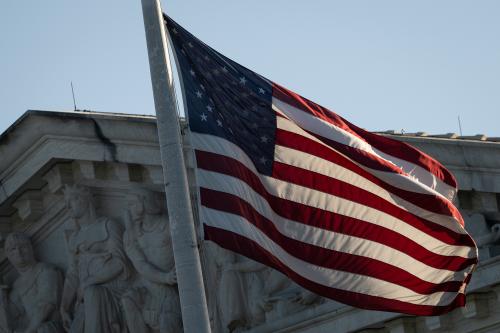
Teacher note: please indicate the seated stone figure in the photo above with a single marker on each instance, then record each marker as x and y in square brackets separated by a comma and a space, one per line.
[270, 295]
[229, 292]
[99, 271]
[32, 303]
[153, 305]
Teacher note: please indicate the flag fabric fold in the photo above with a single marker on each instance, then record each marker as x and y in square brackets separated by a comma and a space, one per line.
[348, 214]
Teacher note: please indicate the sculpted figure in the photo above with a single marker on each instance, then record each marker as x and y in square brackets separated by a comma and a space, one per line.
[98, 272]
[478, 228]
[153, 305]
[31, 305]
[490, 237]
[306, 297]
[228, 291]
[485, 235]
[256, 287]
[270, 294]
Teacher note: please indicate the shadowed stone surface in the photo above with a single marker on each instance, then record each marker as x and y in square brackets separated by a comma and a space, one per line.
[85, 190]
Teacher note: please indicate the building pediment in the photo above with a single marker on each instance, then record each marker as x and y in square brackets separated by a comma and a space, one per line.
[113, 157]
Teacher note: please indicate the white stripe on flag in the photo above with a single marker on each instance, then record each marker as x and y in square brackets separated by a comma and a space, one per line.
[316, 164]
[398, 180]
[333, 204]
[332, 132]
[324, 276]
[324, 238]
[327, 202]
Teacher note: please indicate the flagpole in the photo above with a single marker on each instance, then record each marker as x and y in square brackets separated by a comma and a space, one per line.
[187, 260]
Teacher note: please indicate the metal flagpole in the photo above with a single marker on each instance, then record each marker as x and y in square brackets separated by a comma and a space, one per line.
[187, 260]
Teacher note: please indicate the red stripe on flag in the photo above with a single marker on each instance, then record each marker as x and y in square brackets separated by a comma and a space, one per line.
[347, 191]
[321, 256]
[392, 147]
[307, 214]
[363, 157]
[334, 222]
[433, 203]
[250, 249]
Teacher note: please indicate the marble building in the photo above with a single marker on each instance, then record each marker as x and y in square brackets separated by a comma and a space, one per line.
[84, 246]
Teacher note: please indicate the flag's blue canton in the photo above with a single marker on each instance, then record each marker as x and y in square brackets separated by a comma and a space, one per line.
[225, 99]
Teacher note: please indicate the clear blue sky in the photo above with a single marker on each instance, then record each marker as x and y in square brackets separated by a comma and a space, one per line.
[381, 64]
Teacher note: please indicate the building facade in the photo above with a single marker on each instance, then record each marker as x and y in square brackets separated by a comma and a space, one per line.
[85, 246]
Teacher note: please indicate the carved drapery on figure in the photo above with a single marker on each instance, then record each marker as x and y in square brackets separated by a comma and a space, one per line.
[249, 293]
[153, 304]
[486, 234]
[123, 279]
[31, 304]
[227, 291]
[98, 272]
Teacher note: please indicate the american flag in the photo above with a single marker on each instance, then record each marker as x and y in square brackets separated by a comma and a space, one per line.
[348, 214]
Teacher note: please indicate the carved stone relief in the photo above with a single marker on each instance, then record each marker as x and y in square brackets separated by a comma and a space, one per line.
[486, 235]
[98, 272]
[248, 294]
[120, 274]
[226, 294]
[152, 305]
[31, 303]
